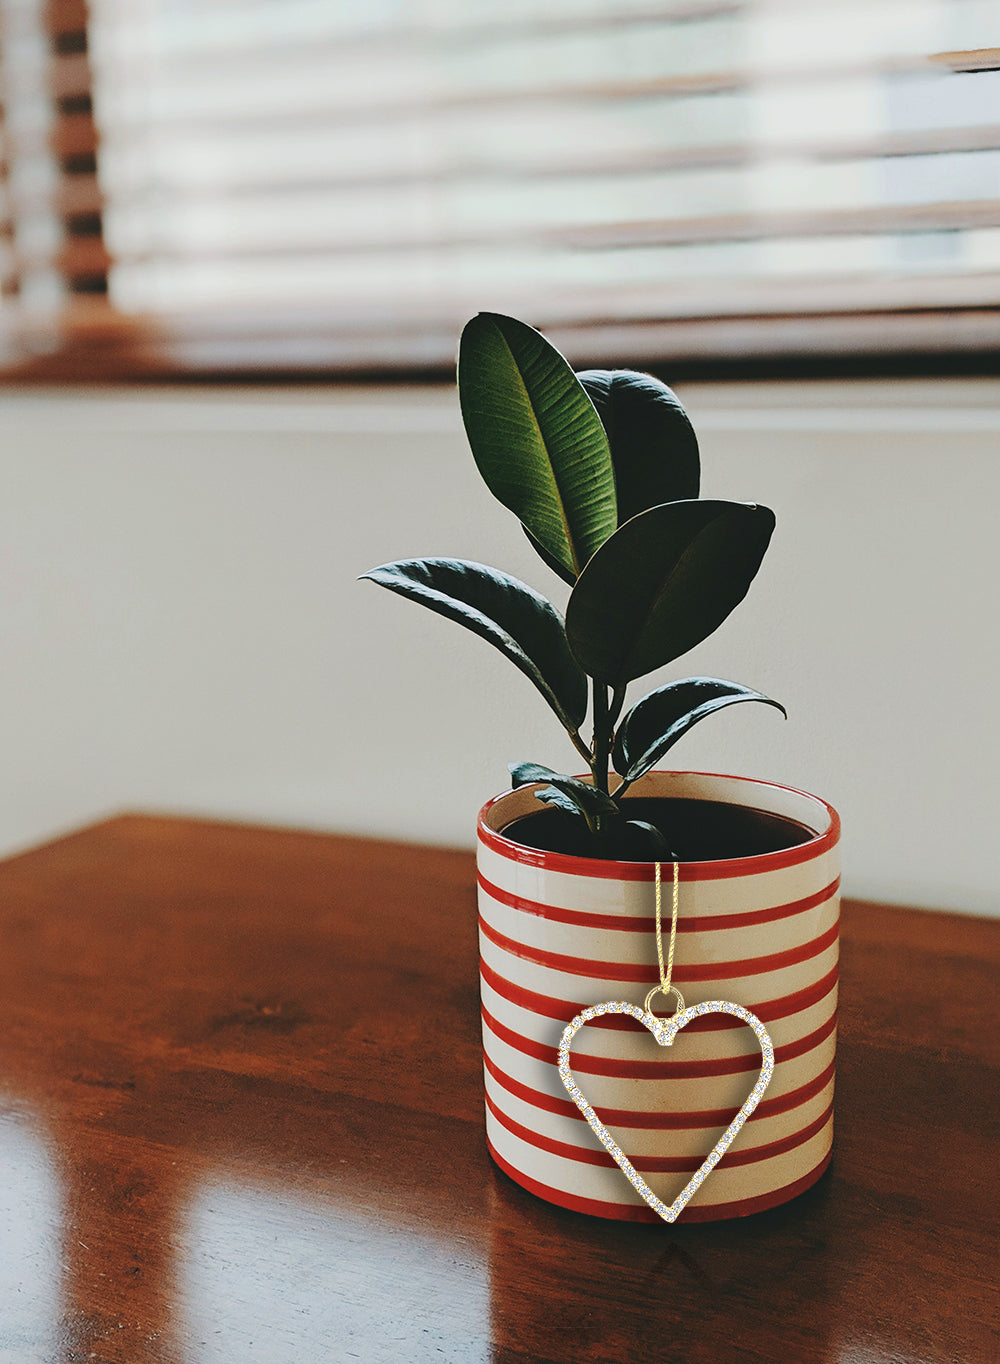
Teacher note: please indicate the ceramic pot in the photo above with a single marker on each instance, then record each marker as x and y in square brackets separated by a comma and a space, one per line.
[558, 933]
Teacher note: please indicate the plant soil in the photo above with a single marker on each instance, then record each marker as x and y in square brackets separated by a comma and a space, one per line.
[696, 830]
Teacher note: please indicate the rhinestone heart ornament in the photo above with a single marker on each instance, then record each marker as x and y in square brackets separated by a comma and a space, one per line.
[664, 1030]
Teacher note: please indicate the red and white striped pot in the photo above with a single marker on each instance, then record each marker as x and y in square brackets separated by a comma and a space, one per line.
[558, 933]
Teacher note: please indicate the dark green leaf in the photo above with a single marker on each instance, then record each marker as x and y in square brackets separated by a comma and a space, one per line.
[551, 795]
[550, 562]
[662, 583]
[585, 798]
[654, 450]
[523, 774]
[611, 835]
[536, 438]
[642, 842]
[510, 615]
[655, 723]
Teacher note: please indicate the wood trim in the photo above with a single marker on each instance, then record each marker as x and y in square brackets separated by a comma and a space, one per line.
[70, 75]
[74, 135]
[66, 16]
[94, 343]
[78, 194]
[977, 59]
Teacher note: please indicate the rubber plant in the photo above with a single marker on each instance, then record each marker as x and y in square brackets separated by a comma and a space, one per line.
[602, 470]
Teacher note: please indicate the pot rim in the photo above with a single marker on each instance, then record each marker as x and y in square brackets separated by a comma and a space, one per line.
[608, 869]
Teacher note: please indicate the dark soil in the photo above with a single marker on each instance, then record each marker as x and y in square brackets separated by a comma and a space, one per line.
[696, 830]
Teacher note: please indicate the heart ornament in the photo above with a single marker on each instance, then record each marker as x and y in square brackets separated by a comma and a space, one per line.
[664, 1030]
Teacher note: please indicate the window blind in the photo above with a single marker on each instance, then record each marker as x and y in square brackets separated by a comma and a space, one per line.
[244, 186]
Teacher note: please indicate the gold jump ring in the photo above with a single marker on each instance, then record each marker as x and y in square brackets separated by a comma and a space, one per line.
[670, 990]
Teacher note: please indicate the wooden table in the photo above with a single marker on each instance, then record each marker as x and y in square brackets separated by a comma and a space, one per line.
[241, 1120]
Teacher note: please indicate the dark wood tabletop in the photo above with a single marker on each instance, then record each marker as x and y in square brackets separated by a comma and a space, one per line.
[241, 1120]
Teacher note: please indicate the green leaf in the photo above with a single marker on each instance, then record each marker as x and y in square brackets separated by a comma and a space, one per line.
[567, 575]
[584, 798]
[523, 774]
[654, 449]
[662, 583]
[513, 617]
[642, 842]
[612, 835]
[551, 795]
[655, 723]
[536, 438]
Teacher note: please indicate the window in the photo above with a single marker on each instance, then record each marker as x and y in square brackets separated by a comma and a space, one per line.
[307, 186]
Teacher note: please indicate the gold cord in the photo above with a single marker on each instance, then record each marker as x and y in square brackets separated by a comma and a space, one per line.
[665, 986]
[665, 976]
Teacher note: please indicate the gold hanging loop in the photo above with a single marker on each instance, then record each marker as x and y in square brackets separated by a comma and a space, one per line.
[665, 988]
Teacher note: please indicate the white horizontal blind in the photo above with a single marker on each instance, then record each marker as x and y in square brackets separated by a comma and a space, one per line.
[312, 183]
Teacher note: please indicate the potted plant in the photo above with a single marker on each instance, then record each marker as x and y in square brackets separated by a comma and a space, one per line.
[602, 470]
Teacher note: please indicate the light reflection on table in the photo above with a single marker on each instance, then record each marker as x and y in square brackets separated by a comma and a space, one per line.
[272, 1275]
[30, 1237]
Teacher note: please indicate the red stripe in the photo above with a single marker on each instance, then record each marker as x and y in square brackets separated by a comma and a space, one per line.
[655, 1165]
[645, 974]
[644, 871]
[563, 1010]
[642, 923]
[657, 1070]
[673, 1122]
[628, 1212]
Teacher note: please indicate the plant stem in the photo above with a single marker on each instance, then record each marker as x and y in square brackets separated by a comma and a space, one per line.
[581, 747]
[611, 714]
[617, 701]
[602, 737]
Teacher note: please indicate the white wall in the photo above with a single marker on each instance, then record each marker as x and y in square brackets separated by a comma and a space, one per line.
[180, 626]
